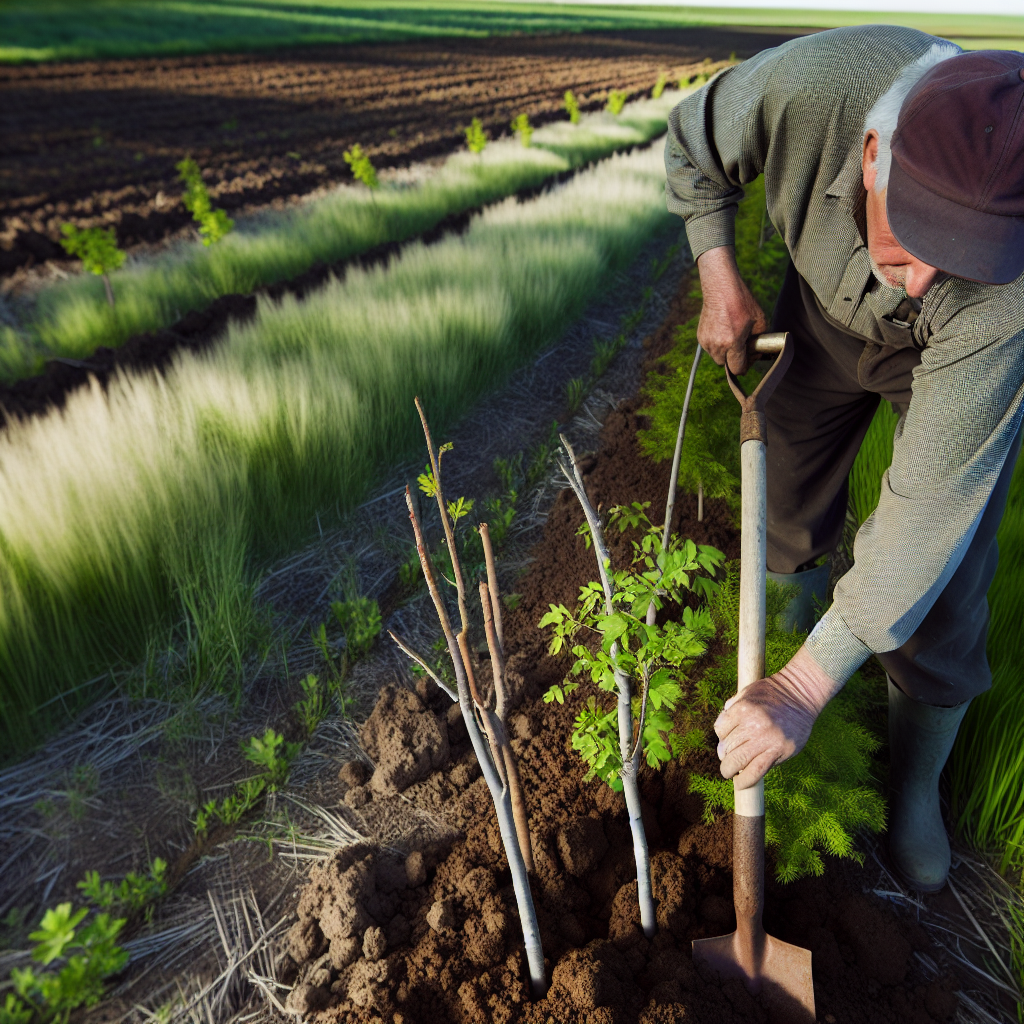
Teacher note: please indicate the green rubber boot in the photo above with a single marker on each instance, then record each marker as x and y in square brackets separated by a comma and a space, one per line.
[920, 739]
[813, 584]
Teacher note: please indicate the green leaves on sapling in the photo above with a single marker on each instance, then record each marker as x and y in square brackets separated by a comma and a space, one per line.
[476, 140]
[521, 126]
[214, 224]
[360, 619]
[56, 931]
[659, 86]
[133, 893]
[572, 107]
[95, 247]
[273, 755]
[362, 168]
[616, 101]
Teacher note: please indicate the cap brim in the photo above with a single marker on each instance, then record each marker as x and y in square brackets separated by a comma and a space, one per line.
[983, 247]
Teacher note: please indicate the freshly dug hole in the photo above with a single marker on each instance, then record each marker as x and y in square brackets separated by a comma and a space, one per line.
[441, 919]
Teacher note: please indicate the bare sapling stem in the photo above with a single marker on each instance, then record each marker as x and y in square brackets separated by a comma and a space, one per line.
[492, 582]
[501, 712]
[493, 754]
[700, 501]
[109, 290]
[630, 755]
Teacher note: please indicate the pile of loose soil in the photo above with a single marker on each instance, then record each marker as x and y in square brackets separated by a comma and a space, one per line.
[429, 932]
[95, 142]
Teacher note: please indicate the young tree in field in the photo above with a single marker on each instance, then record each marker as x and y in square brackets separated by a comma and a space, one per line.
[362, 169]
[97, 249]
[476, 140]
[621, 609]
[616, 101]
[494, 753]
[213, 224]
[659, 86]
[521, 126]
[572, 107]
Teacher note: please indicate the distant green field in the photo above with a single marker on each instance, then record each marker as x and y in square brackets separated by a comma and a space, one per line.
[45, 30]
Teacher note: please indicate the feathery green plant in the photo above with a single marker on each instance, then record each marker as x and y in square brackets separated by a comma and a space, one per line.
[214, 224]
[98, 251]
[616, 101]
[476, 140]
[820, 799]
[572, 107]
[362, 167]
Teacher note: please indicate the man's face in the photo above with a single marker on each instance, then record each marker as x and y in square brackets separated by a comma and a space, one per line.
[896, 267]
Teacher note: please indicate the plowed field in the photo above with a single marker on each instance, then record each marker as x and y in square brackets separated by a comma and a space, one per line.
[96, 142]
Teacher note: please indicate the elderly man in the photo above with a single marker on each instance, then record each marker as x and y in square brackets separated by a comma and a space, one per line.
[894, 171]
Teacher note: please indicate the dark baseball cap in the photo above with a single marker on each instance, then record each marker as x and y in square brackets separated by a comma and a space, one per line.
[956, 183]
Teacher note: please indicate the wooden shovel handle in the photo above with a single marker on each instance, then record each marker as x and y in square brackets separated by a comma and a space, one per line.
[753, 425]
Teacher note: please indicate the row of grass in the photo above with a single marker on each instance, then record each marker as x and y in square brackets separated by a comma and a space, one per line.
[72, 319]
[138, 521]
[42, 30]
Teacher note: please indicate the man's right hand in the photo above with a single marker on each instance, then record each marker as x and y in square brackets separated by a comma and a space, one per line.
[730, 314]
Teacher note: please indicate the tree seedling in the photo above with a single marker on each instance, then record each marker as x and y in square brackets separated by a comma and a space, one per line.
[98, 251]
[89, 954]
[572, 107]
[362, 169]
[360, 619]
[213, 224]
[133, 893]
[622, 610]
[616, 101]
[521, 126]
[659, 86]
[273, 755]
[494, 754]
[476, 140]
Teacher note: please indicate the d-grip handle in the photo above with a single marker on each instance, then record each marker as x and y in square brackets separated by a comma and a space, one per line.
[753, 426]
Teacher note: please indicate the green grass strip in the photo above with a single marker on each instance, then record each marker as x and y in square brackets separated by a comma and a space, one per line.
[73, 319]
[158, 503]
[44, 30]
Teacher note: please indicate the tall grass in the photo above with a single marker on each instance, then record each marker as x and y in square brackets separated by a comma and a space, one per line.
[72, 319]
[987, 766]
[158, 503]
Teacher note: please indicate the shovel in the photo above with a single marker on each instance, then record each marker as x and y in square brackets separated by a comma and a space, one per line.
[778, 971]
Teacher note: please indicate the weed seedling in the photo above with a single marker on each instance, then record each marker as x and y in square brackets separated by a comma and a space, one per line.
[213, 224]
[572, 107]
[360, 619]
[476, 140]
[616, 101]
[362, 169]
[98, 251]
[273, 755]
[133, 893]
[575, 394]
[315, 704]
[521, 126]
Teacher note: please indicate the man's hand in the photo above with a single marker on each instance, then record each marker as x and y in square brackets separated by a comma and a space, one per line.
[730, 314]
[770, 721]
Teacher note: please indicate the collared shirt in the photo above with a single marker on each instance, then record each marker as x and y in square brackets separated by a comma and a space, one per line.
[796, 114]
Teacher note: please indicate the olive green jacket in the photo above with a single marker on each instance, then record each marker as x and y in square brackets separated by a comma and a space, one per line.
[796, 114]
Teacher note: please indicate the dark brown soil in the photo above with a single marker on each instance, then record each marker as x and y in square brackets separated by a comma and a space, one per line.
[430, 933]
[96, 142]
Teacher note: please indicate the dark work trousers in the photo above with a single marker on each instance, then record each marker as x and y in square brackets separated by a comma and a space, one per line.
[817, 419]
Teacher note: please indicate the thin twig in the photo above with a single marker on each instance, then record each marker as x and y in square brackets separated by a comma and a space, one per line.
[422, 662]
[492, 584]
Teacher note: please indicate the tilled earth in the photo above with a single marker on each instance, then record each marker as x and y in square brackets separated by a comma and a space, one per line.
[96, 142]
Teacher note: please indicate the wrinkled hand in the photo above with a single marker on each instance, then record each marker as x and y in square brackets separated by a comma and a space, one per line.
[730, 314]
[770, 721]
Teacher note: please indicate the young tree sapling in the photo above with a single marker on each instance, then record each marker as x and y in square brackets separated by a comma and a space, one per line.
[572, 106]
[495, 756]
[633, 647]
[98, 251]
[476, 140]
[616, 101]
[521, 126]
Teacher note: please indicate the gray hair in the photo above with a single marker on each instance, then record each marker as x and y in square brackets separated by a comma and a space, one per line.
[882, 117]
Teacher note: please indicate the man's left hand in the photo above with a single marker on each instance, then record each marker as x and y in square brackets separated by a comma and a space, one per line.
[771, 719]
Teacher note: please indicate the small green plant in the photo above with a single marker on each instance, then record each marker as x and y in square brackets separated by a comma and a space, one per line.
[659, 86]
[362, 169]
[89, 955]
[133, 893]
[476, 140]
[98, 251]
[315, 704]
[360, 619]
[616, 101]
[500, 514]
[820, 799]
[410, 576]
[572, 107]
[272, 754]
[213, 224]
[521, 126]
[576, 391]
[233, 808]
[83, 783]
[654, 654]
